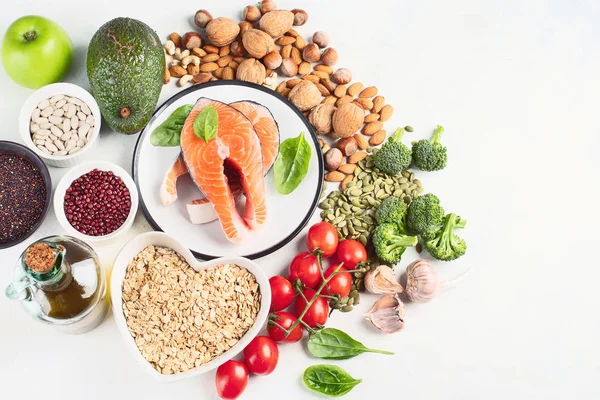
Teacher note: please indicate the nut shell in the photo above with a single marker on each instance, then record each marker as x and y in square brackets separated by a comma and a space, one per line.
[333, 159]
[321, 39]
[320, 118]
[300, 17]
[222, 31]
[329, 56]
[252, 13]
[251, 70]
[305, 95]
[347, 120]
[257, 43]
[277, 22]
[267, 5]
[272, 60]
[202, 18]
[311, 53]
[342, 76]
[289, 68]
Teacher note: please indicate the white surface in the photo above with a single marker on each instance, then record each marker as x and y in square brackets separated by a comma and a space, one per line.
[209, 239]
[47, 92]
[516, 86]
[134, 247]
[60, 190]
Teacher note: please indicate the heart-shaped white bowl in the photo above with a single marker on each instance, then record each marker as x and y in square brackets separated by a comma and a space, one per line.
[139, 243]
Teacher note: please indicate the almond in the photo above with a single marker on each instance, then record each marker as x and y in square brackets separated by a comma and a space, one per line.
[365, 104]
[202, 77]
[276, 22]
[355, 88]
[377, 138]
[295, 56]
[292, 32]
[251, 70]
[228, 74]
[257, 43]
[300, 43]
[304, 68]
[378, 103]
[386, 113]
[211, 49]
[324, 68]
[328, 84]
[293, 82]
[346, 181]
[305, 95]
[239, 60]
[329, 100]
[347, 120]
[312, 78]
[368, 92]
[176, 39]
[344, 100]
[356, 157]
[218, 73]
[361, 141]
[166, 76]
[340, 91]
[233, 65]
[222, 31]
[209, 67]
[225, 50]
[286, 51]
[320, 74]
[371, 118]
[285, 40]
[347, 168]
[198, 52]
[210, 58]
[280, 87]
[372, 127]
[334, 176]
[177, 71]
[224, 61]
[320, 118]
[323, 90]
[286, 92]
[193, 69]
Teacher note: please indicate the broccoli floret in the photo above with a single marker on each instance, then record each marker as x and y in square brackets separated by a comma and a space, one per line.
[393, 209]
[394, 156]
[425, 215]
[390, 242]
[445, 245]
[430, 155]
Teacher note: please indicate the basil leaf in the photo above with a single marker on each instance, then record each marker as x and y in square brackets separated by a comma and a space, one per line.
[169, 132]
[291, 164]
[329, 380]
[206, 123]
[333, 344]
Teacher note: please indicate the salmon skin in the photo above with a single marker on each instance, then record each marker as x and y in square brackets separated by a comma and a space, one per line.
[237, 145]
[168, 187]
[266, 128]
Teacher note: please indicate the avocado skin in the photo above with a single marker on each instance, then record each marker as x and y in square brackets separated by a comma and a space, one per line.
[125, 68]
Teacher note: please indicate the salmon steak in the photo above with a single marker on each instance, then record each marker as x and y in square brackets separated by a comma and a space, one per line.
[235, 146]
[168, 187]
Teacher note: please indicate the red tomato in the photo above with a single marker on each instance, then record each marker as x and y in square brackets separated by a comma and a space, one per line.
[261, 355]
[231, 379]
[340, 284]
[317, 313]
[324, 237]
[351, 252]
[306, 268]
[285, 320]
[282, 293]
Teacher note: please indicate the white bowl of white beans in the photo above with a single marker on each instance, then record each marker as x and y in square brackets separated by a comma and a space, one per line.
[60, 123]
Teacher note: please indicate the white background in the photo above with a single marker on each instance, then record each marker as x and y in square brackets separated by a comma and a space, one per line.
[516, 86]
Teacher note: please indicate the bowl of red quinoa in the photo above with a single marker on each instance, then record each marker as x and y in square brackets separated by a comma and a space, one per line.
[25, 190]
[96, 201]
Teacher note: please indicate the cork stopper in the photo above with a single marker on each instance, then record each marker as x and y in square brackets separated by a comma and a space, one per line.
[39, 258]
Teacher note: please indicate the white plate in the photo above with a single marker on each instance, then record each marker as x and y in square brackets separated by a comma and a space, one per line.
[287, 215]
[139, 243]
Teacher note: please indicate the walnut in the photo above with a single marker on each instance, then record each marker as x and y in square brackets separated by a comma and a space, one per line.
[320, 118]
[347, 120]
[251, 70]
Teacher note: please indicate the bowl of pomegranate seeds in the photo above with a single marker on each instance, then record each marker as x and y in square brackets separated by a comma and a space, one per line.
[96, 201]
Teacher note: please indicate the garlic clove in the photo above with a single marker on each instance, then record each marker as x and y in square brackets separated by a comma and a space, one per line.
[387, 314]
[381, 280]
[422, 281]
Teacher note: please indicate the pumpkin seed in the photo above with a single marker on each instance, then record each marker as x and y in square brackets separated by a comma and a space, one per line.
[324, 206]
[379, 193]
[406, 174]
[418, 183]
[368, 188]
[347, 308]
[345, 230]
[420, 190]
[350, 301]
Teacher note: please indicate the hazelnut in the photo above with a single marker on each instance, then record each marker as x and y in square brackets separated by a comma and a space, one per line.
[245, 26]
[320, 118]
[329, 56]
[333, 159]
[342, 76]
[321, 39]
[191, 40]
[300, 17]
[272, 60]
[267, 5]
[277, 22]
[347, 120]
[222, 31]
[289, 67]
[237, 48]
[305, 95]
[257, 43]
[347, 146]
[202, 18]
[251, 13]
[311, 53]
[251, 70]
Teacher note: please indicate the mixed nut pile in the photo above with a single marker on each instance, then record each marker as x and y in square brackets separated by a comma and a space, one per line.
[264, 46]
[61, 125]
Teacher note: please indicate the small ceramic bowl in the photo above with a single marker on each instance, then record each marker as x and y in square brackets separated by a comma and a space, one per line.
[19, 149]
[139, 243]
[82, 169]
[45, 93]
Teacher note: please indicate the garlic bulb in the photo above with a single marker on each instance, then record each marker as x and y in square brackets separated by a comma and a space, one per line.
[422, 281]
[381, 280]
[387, 314]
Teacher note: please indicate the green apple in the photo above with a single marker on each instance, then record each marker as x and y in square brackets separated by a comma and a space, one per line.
[36, 51]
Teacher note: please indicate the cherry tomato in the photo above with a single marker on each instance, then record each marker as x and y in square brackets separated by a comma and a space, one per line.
[282, 293]
[306, 268]
[261, 355]
[284, 319]
[324, 237]
[351, 252]
[317, 313]
[340, 284]
[231, 379]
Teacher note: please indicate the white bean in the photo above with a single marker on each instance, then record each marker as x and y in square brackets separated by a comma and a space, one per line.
[72, 110]
[84, 129]
[55, 120]
[89, 135]
[36, 114]
[44, 132]
[70, 144]
[47, 125]
[86, 110]
[80, 124]
[42, 148]
[74, 100]
[66, 125]
[41, 120]
[90, 120]
[80, 143]
[43, 104]
[74, 122]
[81, 116]
[50, 146]
[52, 137]
[57, 98]
[65, 136]
[58, 112]
[74, 150]
[41, 134]
[66, 107]
[39, 141]
[34, 128]
[60, 104]
[60, 145]
[46, 112]
[60, 153]
[56, 131]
